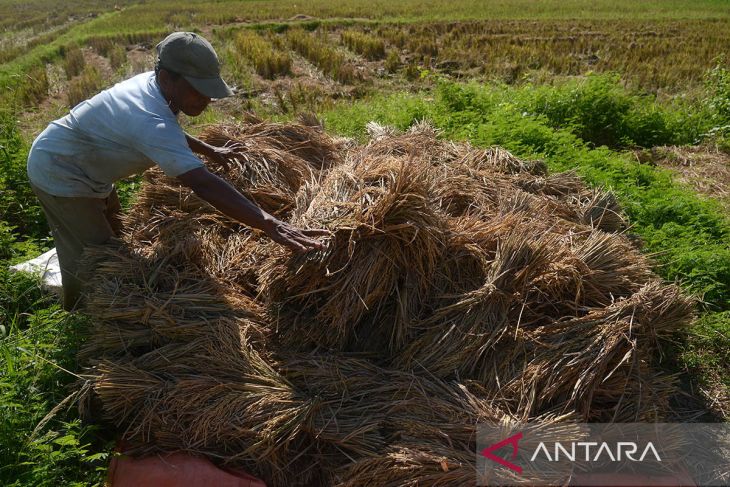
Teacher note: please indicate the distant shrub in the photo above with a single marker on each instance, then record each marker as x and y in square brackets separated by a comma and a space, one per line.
[117, 56]
[395, 35]
[717, 102]
[425, 46]
[267, 61]
[411, 71]
[73, 63]
[600, 110]
[366, 45]
[102, 45]
[718, 86]
[392, 62]
[317, 50]
[34, 88]
[311, 25]
[84, 86]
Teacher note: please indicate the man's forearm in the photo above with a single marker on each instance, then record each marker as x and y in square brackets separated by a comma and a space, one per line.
[227, 199]
[198, 146]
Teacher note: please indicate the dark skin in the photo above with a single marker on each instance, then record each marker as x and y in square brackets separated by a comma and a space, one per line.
[182, 97]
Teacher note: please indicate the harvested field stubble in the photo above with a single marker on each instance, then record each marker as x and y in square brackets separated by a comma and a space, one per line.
[458, 286]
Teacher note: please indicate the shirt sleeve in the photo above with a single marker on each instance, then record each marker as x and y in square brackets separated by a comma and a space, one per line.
[164, 143]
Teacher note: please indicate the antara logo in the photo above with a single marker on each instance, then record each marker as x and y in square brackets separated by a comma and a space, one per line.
[603, 451]
[512, 440]
[592, 452]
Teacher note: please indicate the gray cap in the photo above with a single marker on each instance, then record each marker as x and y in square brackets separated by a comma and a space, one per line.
[192, 56]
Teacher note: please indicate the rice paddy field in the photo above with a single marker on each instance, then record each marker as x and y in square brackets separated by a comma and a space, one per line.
[550, 177]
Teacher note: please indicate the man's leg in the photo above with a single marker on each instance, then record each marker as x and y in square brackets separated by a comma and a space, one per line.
[114, 212]
[75, 224]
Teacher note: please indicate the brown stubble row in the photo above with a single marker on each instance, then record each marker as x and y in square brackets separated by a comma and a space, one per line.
[652, 55]
[667, 56]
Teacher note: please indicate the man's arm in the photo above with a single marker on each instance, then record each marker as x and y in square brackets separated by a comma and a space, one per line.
[229, 201]
[218, 155]
[198, 146]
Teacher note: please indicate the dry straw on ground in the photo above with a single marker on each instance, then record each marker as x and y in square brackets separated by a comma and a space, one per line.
[458, 286]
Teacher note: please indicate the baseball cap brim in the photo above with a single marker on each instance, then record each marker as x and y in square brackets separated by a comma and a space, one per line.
[210, 87]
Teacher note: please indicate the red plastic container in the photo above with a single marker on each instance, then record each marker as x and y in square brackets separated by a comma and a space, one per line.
[175, 470]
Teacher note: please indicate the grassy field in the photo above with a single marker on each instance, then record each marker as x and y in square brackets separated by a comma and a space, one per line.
[597, 87]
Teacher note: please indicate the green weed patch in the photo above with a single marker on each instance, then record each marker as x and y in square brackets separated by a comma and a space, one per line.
[38, 345]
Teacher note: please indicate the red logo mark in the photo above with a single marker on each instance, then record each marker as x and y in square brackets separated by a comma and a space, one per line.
[513, 440]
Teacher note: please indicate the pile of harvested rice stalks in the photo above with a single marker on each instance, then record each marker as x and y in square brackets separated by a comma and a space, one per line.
[458, 286]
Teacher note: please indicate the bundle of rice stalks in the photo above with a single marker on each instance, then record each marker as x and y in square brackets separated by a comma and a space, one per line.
[304, 140]
[567, 360]
[317, 413]
[387, 240]
[249, 413]
[143, 300]
[464, 327]
[497, 159]
[166, 195]
[436, 460]
[601, 210]
[560, 185]
[413, 465]
[459, 286]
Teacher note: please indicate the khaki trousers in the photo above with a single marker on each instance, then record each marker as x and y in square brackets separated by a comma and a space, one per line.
[77, 223]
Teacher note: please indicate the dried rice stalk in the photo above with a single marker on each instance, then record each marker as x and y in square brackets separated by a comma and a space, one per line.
[387, 241]
[480, 289]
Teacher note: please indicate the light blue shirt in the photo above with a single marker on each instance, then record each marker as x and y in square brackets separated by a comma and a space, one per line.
[119, 132]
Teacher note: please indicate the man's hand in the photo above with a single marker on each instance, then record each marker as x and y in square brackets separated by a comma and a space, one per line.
[299, 240]
[221, 156]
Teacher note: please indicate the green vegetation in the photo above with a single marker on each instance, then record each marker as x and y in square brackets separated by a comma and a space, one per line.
[718, 102]
[20, 215]
[707, 351]
[38, 344]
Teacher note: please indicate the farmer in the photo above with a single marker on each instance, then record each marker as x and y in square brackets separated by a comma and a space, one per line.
[126, 129]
